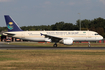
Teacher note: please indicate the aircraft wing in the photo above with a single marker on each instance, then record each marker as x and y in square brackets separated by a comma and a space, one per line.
[53, 38]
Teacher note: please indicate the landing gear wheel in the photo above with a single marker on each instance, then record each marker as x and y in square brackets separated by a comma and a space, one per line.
[55, 45]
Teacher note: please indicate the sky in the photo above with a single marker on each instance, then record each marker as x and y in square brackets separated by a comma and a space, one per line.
[48, 12]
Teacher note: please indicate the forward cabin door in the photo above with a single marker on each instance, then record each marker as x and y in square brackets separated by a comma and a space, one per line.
[91, 36]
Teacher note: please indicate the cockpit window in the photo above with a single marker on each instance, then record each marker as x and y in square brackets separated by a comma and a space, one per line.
[96, 34]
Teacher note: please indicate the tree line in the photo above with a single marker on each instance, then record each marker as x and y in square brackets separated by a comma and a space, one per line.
[97, 24]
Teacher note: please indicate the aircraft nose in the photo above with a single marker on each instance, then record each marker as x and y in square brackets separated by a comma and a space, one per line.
[101, 37]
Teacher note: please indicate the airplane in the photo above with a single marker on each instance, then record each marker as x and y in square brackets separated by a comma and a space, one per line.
[64, 37]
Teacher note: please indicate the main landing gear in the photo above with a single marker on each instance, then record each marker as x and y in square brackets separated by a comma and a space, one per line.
[55, 45]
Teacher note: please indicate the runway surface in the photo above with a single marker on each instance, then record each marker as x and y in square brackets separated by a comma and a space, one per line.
[7, 46]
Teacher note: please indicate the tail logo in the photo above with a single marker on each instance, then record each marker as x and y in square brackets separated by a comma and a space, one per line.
[10, 25]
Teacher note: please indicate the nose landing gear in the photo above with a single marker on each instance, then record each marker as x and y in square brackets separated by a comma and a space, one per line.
[89, 44]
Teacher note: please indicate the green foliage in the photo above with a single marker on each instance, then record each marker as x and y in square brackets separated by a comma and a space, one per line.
[6, 58]
[3, 29]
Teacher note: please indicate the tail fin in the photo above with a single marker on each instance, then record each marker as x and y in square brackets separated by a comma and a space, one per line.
[11, 25]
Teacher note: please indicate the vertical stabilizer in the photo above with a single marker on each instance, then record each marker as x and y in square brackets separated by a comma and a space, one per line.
[11, 25]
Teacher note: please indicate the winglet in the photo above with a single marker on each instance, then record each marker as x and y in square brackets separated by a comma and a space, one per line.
[11, 25]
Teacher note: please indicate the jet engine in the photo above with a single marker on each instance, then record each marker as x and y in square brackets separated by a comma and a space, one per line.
[68, 41]
[47, 40]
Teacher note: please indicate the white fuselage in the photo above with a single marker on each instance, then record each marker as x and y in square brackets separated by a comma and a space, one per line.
[75, 35]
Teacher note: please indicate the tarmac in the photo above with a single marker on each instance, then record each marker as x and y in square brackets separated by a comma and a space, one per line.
[16, 47]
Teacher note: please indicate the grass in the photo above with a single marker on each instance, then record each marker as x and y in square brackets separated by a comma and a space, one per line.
[4, 59]
[52, 60]
[59, 45]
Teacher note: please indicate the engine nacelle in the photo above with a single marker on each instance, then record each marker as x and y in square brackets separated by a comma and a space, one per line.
[68, 41]
[47, 40]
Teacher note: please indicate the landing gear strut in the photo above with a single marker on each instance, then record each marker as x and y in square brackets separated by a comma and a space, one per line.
[55, 45]
[89, 44]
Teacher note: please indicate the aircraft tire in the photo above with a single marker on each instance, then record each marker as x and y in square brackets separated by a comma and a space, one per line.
[55, 45]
